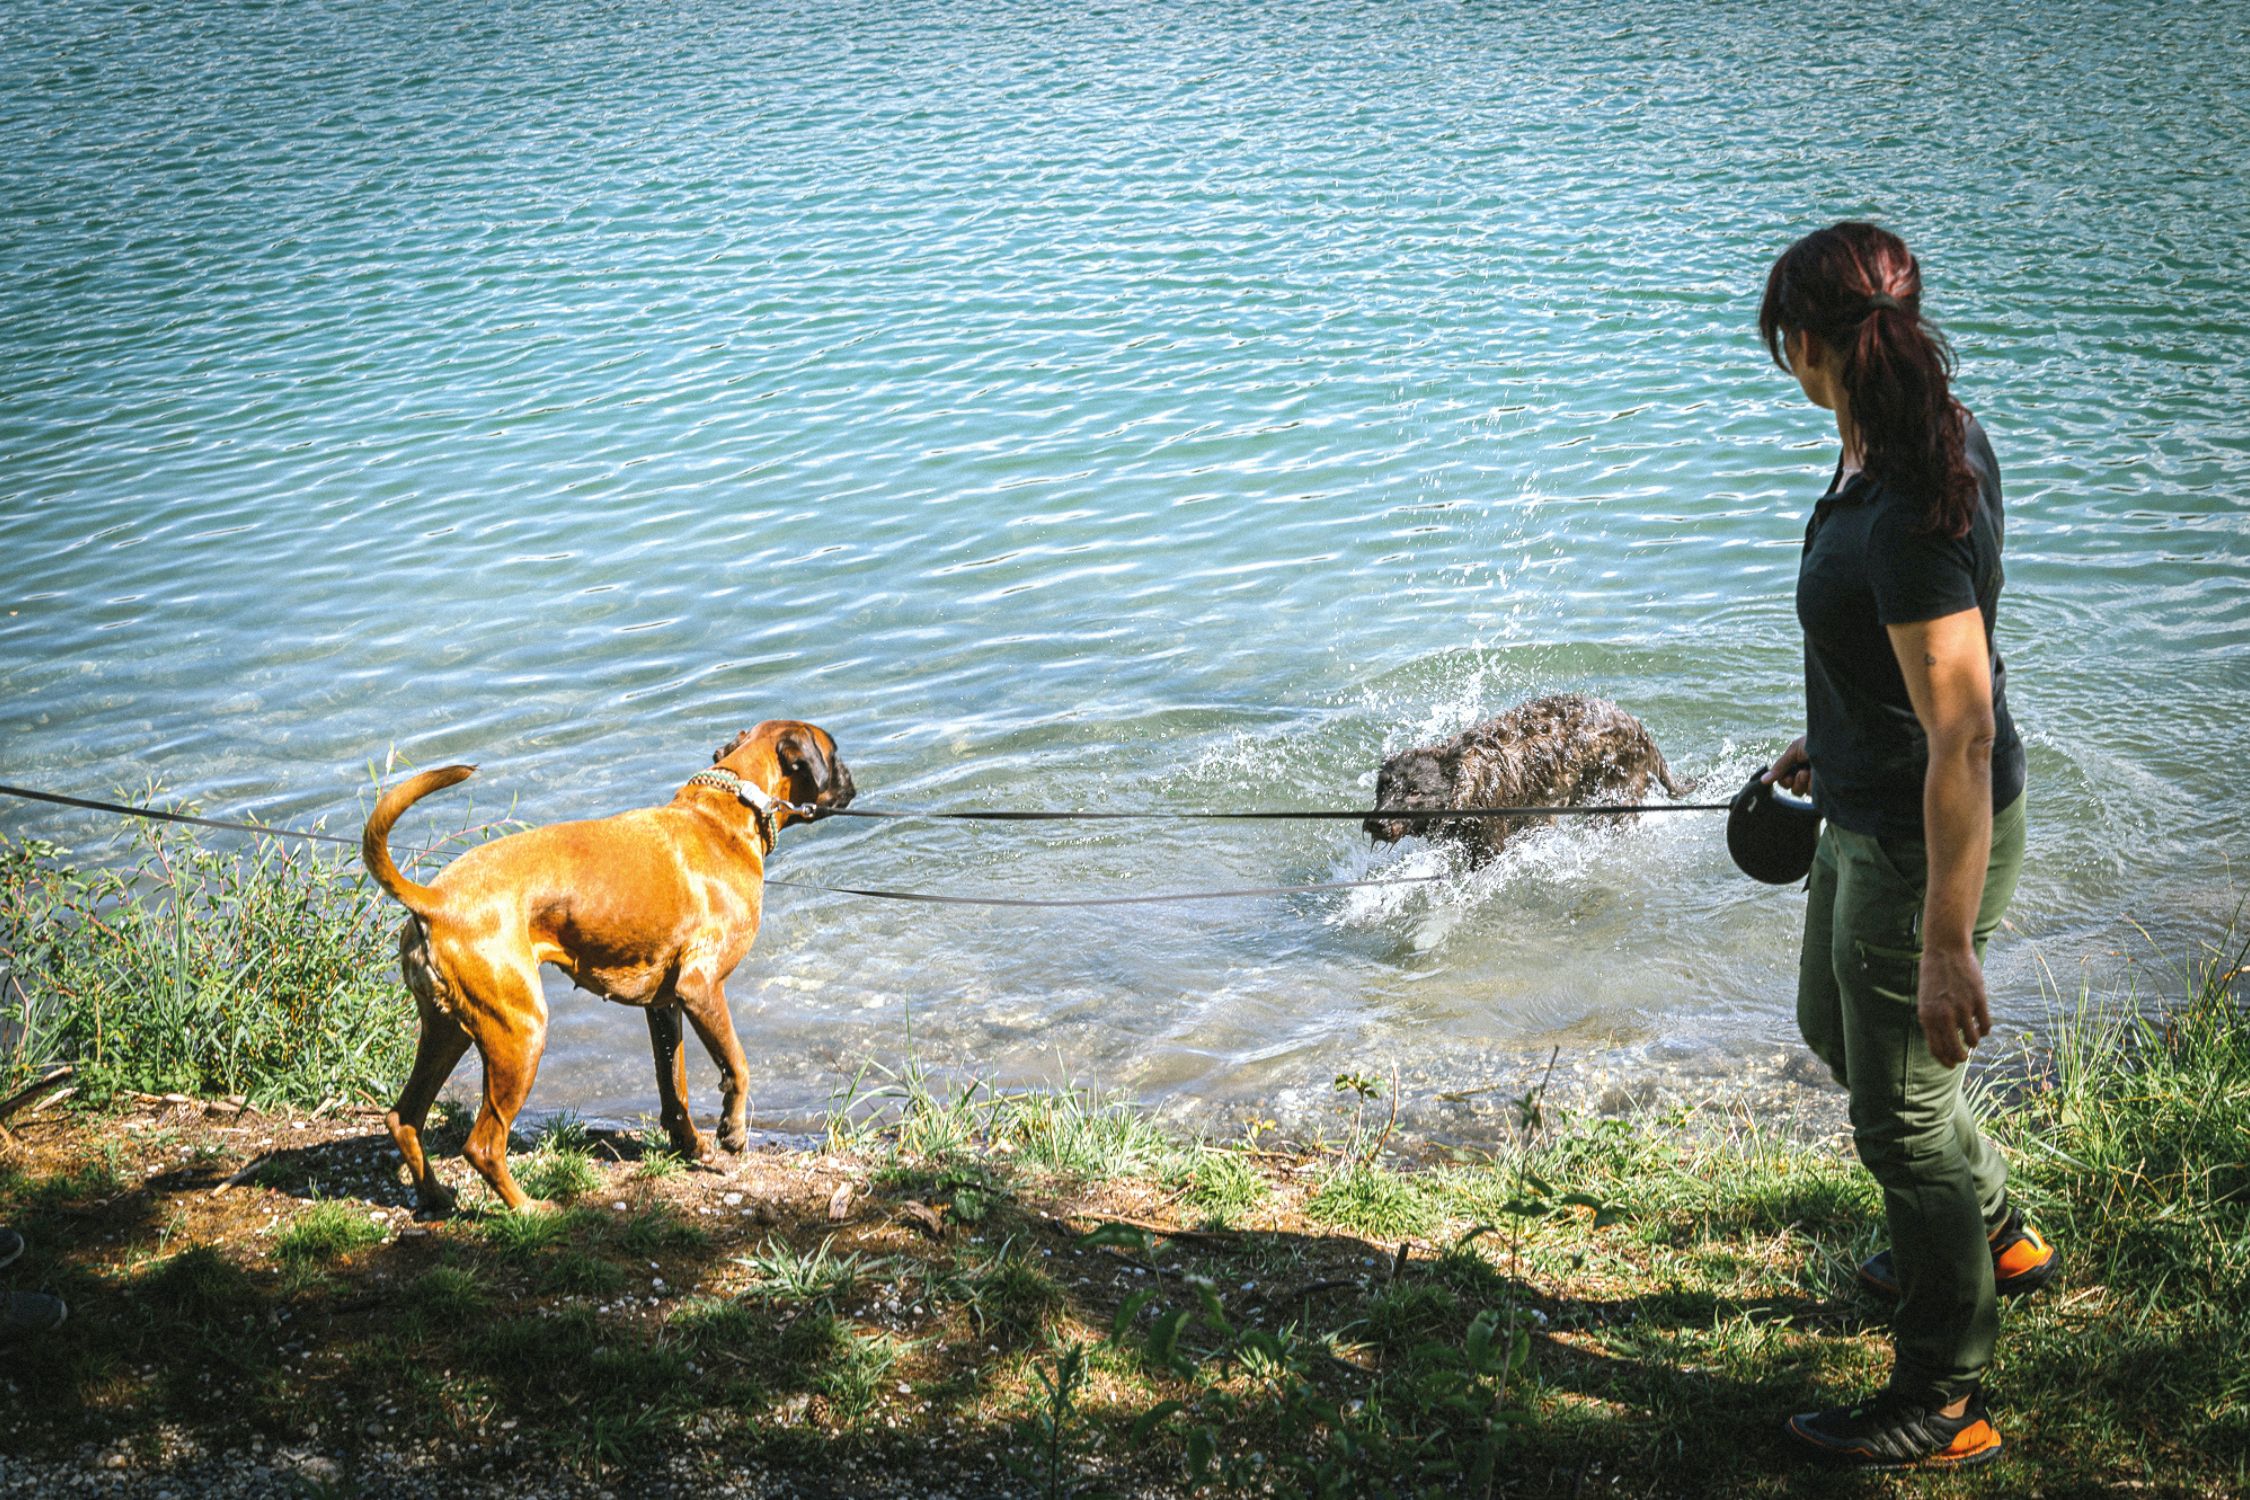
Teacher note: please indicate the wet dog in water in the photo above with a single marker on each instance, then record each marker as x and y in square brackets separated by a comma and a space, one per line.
[1567, 750]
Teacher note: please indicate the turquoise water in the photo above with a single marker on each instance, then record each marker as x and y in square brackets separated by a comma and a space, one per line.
[1099, 407]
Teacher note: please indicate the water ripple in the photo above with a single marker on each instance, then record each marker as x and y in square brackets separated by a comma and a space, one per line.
[1170, 403]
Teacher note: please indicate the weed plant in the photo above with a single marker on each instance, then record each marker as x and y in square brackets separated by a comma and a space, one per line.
[1222, 1186]
[1066, 1132]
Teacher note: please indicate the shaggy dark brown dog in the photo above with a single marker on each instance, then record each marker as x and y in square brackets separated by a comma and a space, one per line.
[1567, 750]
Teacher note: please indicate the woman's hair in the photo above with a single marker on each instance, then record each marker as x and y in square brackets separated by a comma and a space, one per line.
[1858, 290]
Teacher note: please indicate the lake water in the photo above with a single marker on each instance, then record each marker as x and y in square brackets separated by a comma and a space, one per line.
[1108, 406]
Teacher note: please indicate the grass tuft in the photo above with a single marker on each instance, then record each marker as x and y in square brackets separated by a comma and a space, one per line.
[1012, 1299]
[525, 1237]
[657, 1231]
[326, 1232]
[1367, 1200]
[1075, 1135]
[563, 1174]
[779, 1272]
[1223, 1187]
[447, 1296]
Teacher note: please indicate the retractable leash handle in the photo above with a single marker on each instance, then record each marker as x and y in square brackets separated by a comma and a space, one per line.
[1772, 835]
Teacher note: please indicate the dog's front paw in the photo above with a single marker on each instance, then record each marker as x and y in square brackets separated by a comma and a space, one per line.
[735, 1139]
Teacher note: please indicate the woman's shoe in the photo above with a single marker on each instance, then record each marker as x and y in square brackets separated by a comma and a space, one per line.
[25, 1313]
[1892, 1432]
[2022, 1261]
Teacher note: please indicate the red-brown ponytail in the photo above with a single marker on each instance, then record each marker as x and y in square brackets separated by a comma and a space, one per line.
[1858, 290]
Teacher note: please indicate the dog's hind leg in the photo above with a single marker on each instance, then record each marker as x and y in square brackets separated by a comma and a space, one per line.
[436, 1054]
[506, 1015]
[665, 1039]
[706, 1003]
[435, 1057]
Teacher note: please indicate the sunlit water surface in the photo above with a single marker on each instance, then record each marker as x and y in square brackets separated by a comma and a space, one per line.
[1143, 405]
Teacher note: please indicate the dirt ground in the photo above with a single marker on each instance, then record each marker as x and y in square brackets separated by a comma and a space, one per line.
[208, 1353]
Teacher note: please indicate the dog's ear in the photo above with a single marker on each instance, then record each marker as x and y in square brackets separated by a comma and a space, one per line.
[741, 738]
[804, 745]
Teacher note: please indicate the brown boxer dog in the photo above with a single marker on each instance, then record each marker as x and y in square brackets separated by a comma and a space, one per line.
[652, 907]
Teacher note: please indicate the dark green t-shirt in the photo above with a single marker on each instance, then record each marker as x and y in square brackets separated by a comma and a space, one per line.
[1868, 564]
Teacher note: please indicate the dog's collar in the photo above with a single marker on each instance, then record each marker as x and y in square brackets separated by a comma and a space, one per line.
[762, 803]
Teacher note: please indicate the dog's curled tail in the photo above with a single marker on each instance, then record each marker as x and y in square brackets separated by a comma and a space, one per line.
[374, 846]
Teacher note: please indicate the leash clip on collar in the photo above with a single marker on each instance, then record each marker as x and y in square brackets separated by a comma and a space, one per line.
[762, 803]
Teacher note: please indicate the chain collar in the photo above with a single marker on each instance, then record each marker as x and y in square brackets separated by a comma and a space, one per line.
[762, 803]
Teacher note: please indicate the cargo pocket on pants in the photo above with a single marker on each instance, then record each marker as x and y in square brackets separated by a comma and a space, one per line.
[1894, 974]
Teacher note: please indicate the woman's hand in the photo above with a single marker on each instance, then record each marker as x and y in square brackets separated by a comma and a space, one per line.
[1951, 1003]
[1794, 770]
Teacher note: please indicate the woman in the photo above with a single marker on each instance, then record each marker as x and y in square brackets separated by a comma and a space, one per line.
[1913, 760]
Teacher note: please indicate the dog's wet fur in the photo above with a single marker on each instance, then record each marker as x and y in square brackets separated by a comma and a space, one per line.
[1565, 750]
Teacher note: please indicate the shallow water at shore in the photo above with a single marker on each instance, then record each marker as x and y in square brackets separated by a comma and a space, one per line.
[1174, 406]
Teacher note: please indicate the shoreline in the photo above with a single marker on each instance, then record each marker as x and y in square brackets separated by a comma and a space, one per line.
[892, 1312]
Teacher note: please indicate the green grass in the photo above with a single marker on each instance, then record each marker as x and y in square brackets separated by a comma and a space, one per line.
[447, 1296]
[1082, 1137]
[1065, 1132]
[525, 1237]
[658, 1160]
[1011, 1298]
[258, 967]
[557, 1171]
[2132, 1151]
[577, 1273]
[1223, 1187]
[656, 1231]
[908, 1114]
[326, 1232]
[779, 1272]
[855, 1376]
[1368, 1200]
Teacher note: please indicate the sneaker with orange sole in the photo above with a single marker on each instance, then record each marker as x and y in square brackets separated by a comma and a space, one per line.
[1895, 1432]
[2022, 1260]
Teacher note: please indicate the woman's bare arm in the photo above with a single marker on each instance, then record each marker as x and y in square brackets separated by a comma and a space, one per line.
[1948, 673]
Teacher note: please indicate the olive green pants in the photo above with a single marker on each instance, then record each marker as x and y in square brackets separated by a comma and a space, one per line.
[1942, 1180]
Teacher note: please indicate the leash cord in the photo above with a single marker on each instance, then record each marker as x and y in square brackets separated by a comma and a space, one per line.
[1148, 900]
[161, 815]
[1292, 815]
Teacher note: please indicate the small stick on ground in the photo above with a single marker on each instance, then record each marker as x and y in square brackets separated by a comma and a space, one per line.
[26, 1096]
[256, 1164]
